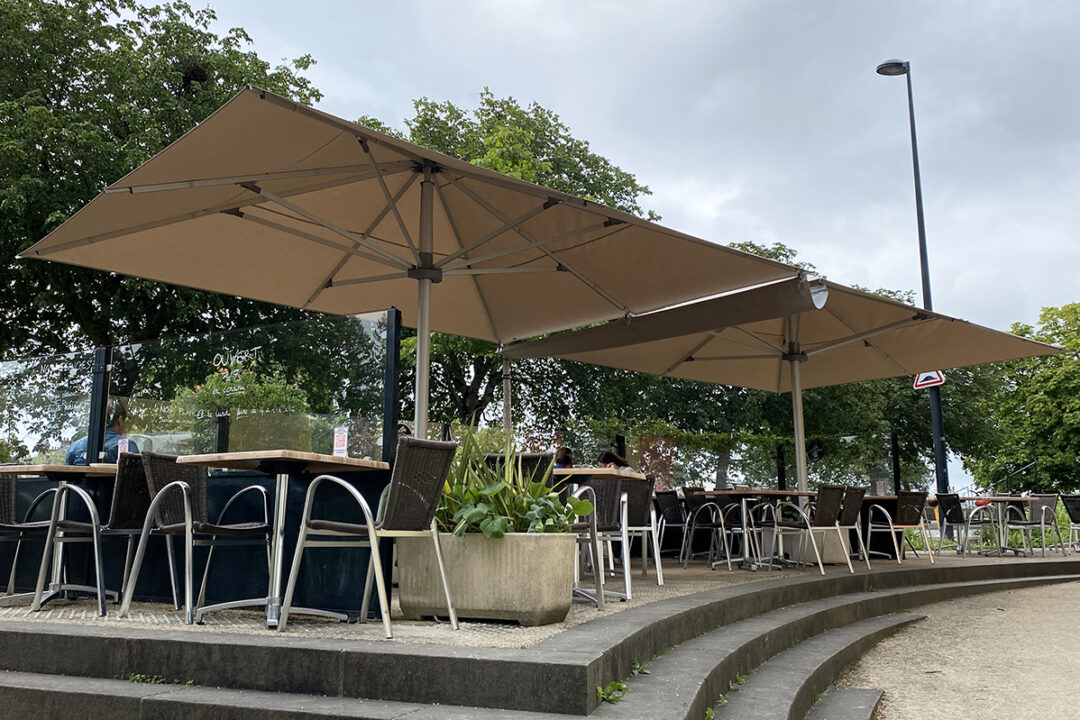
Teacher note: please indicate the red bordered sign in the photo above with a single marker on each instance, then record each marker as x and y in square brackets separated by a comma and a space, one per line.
[929, 379]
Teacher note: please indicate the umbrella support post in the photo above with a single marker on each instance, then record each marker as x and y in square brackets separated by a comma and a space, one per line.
[794, 358]
[423, 307]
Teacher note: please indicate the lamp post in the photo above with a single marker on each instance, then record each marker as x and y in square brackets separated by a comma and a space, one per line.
[902, 67]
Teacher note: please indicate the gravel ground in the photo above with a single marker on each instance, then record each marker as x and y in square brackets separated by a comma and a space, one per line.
[1010, 654]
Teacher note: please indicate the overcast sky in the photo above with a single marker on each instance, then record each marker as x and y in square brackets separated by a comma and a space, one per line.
[764, 120]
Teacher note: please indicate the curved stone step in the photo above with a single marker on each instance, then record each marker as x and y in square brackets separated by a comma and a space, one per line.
[784, 687]
[846, 704]
[684, 681]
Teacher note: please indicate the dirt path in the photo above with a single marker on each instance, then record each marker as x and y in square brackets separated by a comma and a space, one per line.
[1012, 654]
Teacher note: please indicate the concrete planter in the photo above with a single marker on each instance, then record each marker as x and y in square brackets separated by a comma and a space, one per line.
[527, 577]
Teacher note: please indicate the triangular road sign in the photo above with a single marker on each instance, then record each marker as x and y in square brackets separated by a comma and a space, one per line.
[929, 379]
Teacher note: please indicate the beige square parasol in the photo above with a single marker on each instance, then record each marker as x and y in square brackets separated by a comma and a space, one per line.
[273, 200]
[839, 335]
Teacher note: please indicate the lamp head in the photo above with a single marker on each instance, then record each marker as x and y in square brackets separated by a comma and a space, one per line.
[893, 67]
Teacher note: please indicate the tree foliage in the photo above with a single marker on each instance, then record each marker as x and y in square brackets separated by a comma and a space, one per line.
[1035, 412]
[89, 89]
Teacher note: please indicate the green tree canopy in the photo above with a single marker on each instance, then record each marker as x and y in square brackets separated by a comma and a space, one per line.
[89, 89]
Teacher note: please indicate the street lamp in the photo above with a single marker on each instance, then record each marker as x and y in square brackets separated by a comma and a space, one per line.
[892, 68]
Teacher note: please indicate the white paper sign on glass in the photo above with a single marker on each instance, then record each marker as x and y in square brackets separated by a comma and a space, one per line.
[341, 441]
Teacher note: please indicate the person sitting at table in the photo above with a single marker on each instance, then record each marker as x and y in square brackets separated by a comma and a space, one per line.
[609, 459]
[116, 418]
[564, 458]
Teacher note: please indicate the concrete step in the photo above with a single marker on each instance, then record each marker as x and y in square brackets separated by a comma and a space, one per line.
[35, 695]
[559, 675]
[684, 681]
[846, 704]
[784, 687]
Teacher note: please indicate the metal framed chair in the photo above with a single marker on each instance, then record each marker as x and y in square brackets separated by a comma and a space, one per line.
[951, 513]
[704, 516]
[823, 516]
[14, 530]
[850, 518]
[1042, 516]
[641, 522]
[671, 514]
[611, 514]
[588, 540]
[127, 511]
[909, 516]
[406, 509]
[179, 506]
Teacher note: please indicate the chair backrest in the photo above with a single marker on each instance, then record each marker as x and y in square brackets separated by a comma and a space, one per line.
[695, 498]
[853, 499]
[131, 494]
[667, 502]
[163, 469]
[909, 505]
[827, 509]
[1072, 507]
[1044, 502]
[416, 483]
[951, 508]
[608, 491]
[638, 500]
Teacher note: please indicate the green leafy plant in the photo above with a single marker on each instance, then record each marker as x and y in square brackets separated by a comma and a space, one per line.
[639, 668]
[143, 678]
[613, 693]
[495, 501]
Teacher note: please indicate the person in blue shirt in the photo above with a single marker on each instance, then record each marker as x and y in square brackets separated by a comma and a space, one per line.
[116, 417]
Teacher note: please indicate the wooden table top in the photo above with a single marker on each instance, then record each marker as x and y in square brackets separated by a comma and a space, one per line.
[762, 492]
[96, 469]
[597, 472]
[254, 459]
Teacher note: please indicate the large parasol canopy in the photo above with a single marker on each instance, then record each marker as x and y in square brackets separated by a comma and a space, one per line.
[272, 200]
[839, 335]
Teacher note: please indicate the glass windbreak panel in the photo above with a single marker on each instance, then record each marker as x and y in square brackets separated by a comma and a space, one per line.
[44, 406]
[303, 385]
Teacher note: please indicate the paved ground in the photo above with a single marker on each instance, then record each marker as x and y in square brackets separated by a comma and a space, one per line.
[1011, 654]
[477, 634]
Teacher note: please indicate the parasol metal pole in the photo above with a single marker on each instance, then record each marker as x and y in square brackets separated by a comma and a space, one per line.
[794, 358]
[507, 381]
[423, 304]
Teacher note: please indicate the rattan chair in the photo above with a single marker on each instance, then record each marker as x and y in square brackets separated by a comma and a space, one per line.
[671, 514]
[641, 522]
[588, 540]
[1041, 516]
[851, 519]
[951, 513]
[406, 509]
[127, 511]
[909, 516]
[14, 530]
[610, 511]
[823, 516]
[179, 506]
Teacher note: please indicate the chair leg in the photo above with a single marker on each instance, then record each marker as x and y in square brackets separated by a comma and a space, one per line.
[626, 561]
[14, 565]
[895, 544]
[189, 552]
[817, 554]
[446, 582]
[369, 581]
[127, 564]
[598, 566]
[380, 582]
[172, 572]
[926, 541]
[46, 555]
[656, 552]
[133, 579]
[846, 550]
[99, 570]
[294, 572]
[862, 545]
[206, 574]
